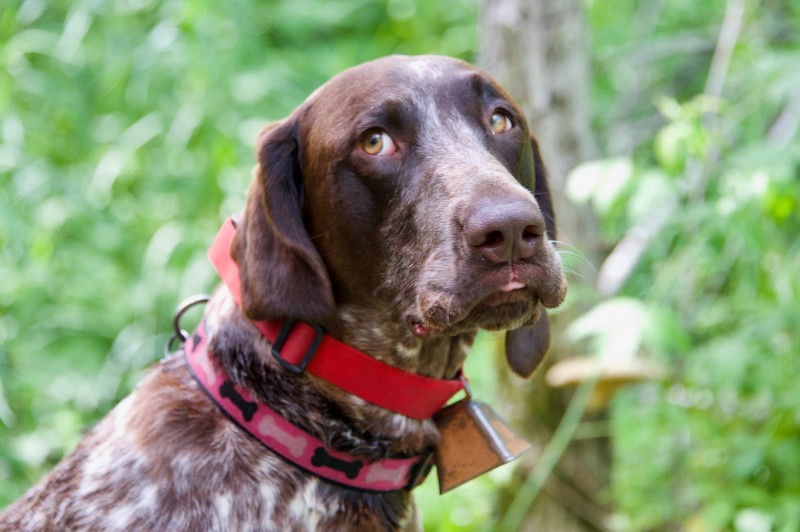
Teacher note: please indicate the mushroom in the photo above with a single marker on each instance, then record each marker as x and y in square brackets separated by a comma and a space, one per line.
[611, 375]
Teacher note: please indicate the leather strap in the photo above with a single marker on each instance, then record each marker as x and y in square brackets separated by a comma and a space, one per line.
[300, 346]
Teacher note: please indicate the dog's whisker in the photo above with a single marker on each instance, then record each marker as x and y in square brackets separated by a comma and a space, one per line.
[562, 244]
[574, 253]
[447, 310]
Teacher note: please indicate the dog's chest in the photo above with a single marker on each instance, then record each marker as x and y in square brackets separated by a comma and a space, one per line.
[177, 463]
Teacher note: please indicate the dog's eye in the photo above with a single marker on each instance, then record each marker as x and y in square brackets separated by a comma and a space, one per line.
[378, 142]
[500, 123]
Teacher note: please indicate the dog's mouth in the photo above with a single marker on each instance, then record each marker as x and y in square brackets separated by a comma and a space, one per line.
[476, 297]
[497, 310]
[504, 296]
[501, 306]
[504, 309]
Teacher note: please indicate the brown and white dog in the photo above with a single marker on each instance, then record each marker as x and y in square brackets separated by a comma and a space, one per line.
[403, 206]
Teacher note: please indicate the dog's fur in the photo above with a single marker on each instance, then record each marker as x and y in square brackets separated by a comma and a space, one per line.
[403, 255]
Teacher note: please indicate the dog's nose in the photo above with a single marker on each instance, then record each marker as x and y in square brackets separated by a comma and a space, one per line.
[504, 231]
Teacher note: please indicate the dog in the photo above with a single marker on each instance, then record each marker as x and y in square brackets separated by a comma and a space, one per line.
[400, 208]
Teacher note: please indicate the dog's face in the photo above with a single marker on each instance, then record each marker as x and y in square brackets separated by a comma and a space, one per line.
[410, 184]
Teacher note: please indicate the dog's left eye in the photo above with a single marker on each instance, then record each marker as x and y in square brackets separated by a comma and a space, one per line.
[500, 123]
[378, 142]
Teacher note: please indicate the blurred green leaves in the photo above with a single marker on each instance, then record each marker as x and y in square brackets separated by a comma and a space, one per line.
[700, 216]
[685, 137]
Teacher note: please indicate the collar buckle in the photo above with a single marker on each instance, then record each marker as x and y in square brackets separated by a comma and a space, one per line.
[280, 341]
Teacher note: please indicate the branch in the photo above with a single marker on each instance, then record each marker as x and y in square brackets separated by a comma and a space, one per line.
[726, 42]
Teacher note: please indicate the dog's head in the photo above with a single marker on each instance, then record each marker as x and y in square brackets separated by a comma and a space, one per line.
[411, 184]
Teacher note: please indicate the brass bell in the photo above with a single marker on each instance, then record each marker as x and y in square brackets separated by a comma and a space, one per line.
[474, 439]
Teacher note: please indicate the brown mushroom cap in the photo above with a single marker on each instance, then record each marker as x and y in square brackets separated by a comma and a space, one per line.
[611, 375]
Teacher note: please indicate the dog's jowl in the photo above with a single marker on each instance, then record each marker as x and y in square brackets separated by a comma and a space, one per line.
[403, 206]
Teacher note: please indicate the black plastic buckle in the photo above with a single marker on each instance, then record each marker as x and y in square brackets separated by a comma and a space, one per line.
[419, 471]
[297, 369]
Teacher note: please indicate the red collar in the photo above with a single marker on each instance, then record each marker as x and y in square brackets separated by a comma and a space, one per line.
[301, 346]
[291, 442]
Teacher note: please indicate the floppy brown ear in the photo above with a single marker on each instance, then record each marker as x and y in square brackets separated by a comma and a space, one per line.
[541, 191]
[527, 346]
[282, 274]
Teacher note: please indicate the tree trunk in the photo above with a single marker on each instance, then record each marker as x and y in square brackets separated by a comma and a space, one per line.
[538, 49]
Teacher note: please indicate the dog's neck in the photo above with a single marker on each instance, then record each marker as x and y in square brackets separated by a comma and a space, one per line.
[345, 421]
[385, 337]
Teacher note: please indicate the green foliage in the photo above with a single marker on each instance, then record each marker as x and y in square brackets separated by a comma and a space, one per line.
[709, 191]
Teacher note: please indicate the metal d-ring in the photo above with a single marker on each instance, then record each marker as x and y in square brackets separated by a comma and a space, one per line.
[178, 334]
[465, 383]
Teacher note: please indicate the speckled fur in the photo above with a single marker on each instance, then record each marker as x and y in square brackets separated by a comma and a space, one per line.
[372, 250]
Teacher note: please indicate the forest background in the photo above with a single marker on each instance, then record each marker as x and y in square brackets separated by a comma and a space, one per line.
[126, 137]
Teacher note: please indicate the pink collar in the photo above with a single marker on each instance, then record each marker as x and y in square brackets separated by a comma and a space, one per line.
[290, 441]
[300, 347]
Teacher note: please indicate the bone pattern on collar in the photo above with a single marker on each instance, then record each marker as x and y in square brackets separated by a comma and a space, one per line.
[288, 440]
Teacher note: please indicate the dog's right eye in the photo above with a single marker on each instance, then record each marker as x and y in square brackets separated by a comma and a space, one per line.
[500, 122]
[378, 142]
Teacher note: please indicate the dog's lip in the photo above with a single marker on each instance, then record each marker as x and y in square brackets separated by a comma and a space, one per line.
[512, 284]
[514, 290]
[503, 303]
[506, 294]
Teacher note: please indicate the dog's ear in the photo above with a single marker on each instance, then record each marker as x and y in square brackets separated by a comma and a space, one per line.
[282, 274]
[527, 345]
[541, 191]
